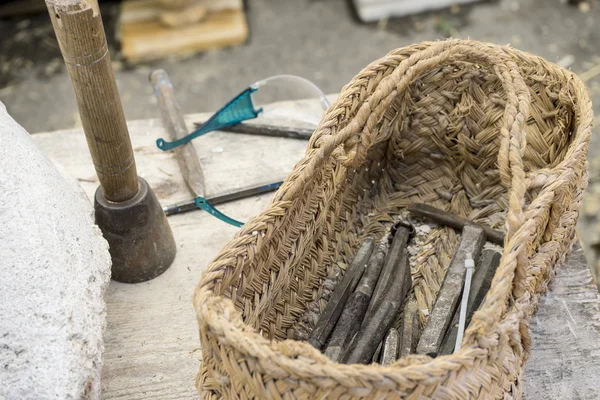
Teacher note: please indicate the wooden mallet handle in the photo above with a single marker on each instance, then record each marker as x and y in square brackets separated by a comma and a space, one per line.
[80, 33]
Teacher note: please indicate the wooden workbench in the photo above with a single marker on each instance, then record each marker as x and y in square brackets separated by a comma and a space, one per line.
[152, 344]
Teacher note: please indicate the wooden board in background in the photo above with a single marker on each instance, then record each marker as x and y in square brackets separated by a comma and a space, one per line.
[148, 40]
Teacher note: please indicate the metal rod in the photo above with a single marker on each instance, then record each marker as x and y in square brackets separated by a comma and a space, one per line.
[173, 121]
[355, 308]
[471, 242]
[393, 259]
[80, 33]
[340, 295]
[373, 330]
[409, 328]
[454, 221]
[482, 280]
[377, 354]
[190, 205]
[268, 130]
[389, 352]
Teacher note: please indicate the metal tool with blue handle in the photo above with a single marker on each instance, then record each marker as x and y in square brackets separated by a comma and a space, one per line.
[242, 108]
[187, 157]
[239, 109]
[238, 194]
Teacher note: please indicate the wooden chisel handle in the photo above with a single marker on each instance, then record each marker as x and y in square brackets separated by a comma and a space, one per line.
[175, 125]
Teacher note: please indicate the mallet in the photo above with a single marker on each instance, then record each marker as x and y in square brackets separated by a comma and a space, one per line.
[127, 211]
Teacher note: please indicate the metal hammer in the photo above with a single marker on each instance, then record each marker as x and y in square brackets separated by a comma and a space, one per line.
[126, 210]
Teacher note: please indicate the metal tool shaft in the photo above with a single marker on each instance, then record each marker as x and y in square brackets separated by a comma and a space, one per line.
[409, 328]
[238, 194]
[454, 221]
[389, 352]
[377, 354]
[268, 130]
[471, 242]
[340, 295]
[392, 261]
[374, 329]
[482, 280]
[175, 125]
[355, 308]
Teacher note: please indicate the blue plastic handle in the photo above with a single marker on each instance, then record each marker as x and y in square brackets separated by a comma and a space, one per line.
[202, 203]
[239, 109]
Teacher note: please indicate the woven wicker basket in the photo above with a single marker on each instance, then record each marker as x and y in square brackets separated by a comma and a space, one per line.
[484, 131]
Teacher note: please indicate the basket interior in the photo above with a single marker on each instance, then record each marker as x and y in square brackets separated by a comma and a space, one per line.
[441, 148]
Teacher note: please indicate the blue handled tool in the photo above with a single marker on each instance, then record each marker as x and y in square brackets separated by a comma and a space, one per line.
[201, 202]
[239, 109]
[242, 108]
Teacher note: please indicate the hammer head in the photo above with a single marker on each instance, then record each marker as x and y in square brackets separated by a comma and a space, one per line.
[140, 239]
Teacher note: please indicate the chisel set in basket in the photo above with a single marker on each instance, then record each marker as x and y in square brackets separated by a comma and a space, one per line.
[372, 316]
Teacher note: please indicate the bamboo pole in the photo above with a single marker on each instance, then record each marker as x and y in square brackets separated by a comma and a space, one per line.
[80, 33]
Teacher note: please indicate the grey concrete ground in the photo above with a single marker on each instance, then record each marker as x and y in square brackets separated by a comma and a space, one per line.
[318, 39]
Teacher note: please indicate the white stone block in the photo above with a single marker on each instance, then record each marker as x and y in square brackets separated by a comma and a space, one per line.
[54, 269]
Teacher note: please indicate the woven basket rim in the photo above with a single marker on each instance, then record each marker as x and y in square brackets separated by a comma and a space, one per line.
[218, 315]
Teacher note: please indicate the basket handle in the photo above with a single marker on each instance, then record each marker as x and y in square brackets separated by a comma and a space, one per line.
[350, 145]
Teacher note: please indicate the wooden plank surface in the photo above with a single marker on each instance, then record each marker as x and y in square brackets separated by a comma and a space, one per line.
[151, 338]
[565, 359]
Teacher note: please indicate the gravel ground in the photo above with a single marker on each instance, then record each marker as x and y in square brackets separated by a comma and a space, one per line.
[318, 39]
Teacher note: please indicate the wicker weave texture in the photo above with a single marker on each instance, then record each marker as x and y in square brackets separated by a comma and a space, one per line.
[488, 132]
